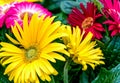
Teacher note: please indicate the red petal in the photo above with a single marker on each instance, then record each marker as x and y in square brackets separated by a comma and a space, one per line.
[83, 9]
[114, 32]
[98, 27]
[111, 27]
[109, 22]
[98, 15]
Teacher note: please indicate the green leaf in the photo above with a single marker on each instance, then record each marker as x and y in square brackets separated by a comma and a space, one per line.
[52, 80]
[111, 51]
[112, 43]
[61, 17]
[82, 1]
[66, 6]
[100, 43]
[3, 78]
[98, 4]
[83, 78]
[108, 76]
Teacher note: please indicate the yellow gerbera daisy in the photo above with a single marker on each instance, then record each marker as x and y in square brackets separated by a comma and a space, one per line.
[3, 2]
[29, 55]
[81, 48]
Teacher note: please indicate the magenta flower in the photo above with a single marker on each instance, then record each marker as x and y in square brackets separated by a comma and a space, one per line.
[110, 5]
[17, 12]
[3, 10]
[112, 8]
[114, 22]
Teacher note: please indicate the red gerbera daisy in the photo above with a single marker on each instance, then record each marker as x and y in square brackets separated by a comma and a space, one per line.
[86, 19]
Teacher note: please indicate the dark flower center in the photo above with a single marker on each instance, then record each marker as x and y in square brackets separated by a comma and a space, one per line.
[87, 22]
[29, 15]
[31, 53]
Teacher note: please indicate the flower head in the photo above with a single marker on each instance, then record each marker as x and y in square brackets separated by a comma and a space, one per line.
[110, 4]
[3, 2]
[112, 9]
[17, 12]
[3, 11]
[113, 22]
[29, 55]
[82, 50]
[86, 19]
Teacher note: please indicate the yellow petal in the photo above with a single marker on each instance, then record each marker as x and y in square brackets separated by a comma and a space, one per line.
[12, 40]
[54, 47]
[10, 48]
[48, 57]
[57, 56]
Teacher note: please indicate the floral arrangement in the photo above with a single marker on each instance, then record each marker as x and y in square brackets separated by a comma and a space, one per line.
[59, 41]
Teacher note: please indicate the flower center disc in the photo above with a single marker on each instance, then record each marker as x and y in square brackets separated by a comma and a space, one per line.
[29, 15]
[31, 53]
[87, 22]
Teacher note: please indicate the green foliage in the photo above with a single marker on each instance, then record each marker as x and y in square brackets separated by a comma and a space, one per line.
[108, 76]
[98, 4]
[3, 78]
[3, 30]
[61, 17]
[66, 6]
[83, 1]
[110, 47]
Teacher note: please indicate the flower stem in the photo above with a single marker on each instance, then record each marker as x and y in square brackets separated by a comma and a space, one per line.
[66, 71]
[52, 80]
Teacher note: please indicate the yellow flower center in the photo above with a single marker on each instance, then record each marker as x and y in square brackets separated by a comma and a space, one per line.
[29, 15]
[31, 53]
[118, 25]
[87, 22]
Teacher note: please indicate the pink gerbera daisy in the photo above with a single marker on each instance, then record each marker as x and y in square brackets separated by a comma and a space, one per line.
[110, 4]
[86, 19]
[112, 7]
[113, 22]
[3, 10]
[17, 12]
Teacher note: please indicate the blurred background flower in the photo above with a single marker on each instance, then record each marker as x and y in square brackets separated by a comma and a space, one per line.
[17, 12]
[3, 11]
[112, 8]
[3, 2]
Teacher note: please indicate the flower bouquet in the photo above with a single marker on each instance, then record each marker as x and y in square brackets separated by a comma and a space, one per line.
[60, 41]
